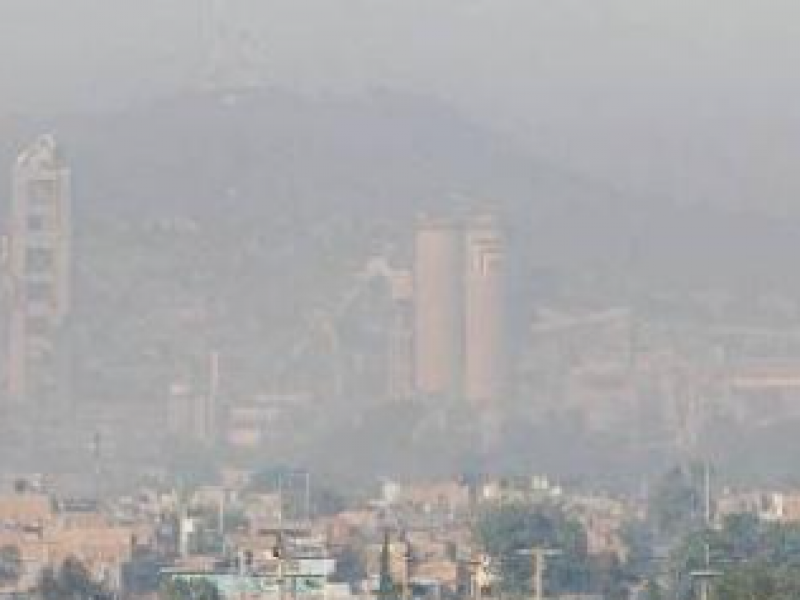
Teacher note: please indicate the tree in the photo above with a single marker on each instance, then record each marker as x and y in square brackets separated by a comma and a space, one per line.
[742, 535]
[203, 589]
[48, 586]
[653, 591]
[349, 566]
[507, 530]
[762, 580]
[757, 559]
[75, 580]
[10, 565]
[677, 500]
[607, 576]
[191, 589]
[72, 582]
[174, 589]
[638, 538]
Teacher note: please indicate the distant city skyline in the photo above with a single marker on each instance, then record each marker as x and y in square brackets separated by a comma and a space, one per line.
[311, 229]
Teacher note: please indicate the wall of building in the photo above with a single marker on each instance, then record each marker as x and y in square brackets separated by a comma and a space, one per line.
[438, 314]
[485, 307]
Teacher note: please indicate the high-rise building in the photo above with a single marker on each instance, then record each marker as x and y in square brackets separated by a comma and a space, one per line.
[485, 307]
[38, 267]
[438, 307]
[192, 414]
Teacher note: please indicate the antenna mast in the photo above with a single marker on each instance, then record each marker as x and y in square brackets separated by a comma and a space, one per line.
[233, 45]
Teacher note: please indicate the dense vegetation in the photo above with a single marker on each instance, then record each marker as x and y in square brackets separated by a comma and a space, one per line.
[507, 533]
[749, 558]
[754, 559]
[71, 581]
[196, 589]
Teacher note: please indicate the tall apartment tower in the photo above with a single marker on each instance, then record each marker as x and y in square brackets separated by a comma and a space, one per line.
[438, 307]
[485, 308]
[193, 411]
[38, 266]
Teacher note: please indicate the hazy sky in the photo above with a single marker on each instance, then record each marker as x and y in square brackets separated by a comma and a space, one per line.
[692, 99]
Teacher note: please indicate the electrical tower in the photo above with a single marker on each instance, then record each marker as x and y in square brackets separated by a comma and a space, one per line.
[235, 53]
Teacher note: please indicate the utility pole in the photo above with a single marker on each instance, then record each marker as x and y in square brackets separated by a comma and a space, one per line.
[408, 557]
[279, 552]
[478, 581]
[707, 575]
[539, 556]
[221, 514]
[707, 491]
[308, 497]
[476, 568]
[386, 589]
[280, 500]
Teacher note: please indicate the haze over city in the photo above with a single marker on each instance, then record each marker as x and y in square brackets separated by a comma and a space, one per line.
[676, 100]
[404, 299]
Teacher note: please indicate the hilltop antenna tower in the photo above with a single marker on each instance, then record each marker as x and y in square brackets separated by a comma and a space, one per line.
[233, 45]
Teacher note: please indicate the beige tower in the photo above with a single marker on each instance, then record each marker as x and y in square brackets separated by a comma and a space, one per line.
[438, 302]
[485, 307]
[39, 270]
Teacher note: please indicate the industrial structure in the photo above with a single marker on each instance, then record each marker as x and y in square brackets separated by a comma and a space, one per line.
[38, 268]
[459, 293]
[438, 307]
[484, 315]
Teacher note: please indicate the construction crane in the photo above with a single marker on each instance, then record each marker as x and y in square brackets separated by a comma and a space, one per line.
[323, 324]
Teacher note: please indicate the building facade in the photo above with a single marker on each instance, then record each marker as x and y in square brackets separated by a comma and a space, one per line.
[485, 355]
[438, 307]
[38, 264]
